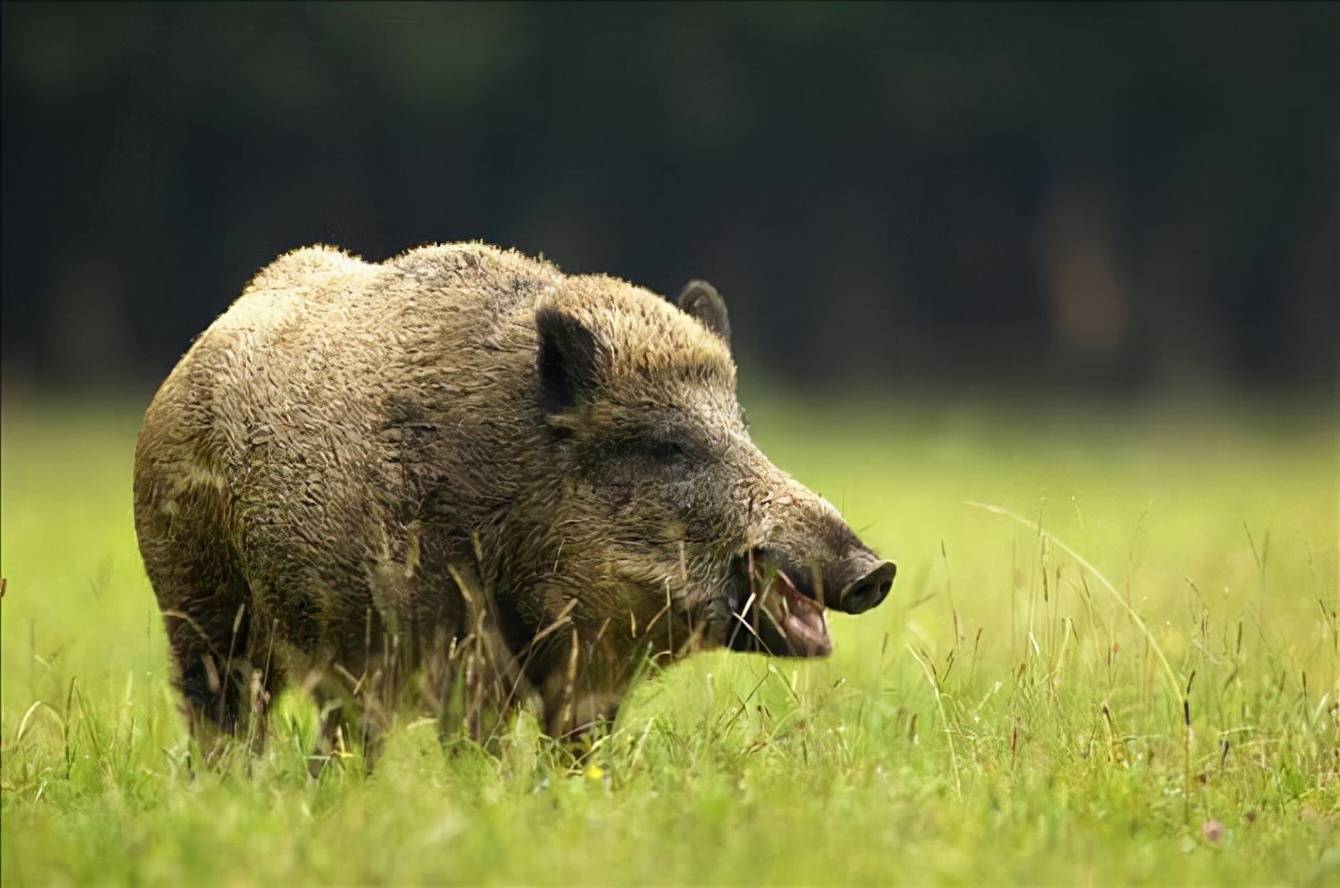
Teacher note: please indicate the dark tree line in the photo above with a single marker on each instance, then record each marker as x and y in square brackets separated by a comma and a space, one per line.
[1128, 196]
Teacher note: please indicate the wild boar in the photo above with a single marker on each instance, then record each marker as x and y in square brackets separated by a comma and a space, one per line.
[463, 477]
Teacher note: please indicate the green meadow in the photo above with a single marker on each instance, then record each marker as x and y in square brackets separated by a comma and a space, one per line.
[1112, 655]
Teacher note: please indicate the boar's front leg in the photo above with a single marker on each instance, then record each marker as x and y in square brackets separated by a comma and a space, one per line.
[345, 722]
[578, 696]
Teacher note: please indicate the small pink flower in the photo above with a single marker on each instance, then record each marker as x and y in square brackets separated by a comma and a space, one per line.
[1212, 830]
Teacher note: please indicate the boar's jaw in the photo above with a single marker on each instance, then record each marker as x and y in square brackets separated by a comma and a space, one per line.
[777, 611]
[780, 608]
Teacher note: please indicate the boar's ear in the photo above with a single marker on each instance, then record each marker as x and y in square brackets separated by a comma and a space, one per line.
[702, 301]
[566, 360]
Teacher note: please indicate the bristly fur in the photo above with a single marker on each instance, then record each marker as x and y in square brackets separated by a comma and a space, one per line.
[457, 475]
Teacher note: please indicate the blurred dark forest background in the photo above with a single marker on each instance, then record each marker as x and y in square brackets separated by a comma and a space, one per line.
[1121, 199]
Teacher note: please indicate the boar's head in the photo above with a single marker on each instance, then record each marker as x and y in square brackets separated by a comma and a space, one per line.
[672, 522]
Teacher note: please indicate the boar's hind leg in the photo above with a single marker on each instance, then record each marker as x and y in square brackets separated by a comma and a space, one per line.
[221, 658]
[222, 666]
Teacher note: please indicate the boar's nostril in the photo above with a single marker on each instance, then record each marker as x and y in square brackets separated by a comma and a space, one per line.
[869, 590]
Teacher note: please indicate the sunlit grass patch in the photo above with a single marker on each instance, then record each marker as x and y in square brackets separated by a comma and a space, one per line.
[1135, 679]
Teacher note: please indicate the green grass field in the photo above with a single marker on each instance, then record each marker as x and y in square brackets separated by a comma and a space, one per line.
[1166, 714]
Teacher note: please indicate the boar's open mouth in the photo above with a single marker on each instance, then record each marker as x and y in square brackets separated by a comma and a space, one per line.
[777, 611]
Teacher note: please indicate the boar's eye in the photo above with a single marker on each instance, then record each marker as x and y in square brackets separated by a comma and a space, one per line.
[655, 449]
[664, 449]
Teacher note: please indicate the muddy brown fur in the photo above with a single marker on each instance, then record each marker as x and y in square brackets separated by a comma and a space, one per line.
[464, 479]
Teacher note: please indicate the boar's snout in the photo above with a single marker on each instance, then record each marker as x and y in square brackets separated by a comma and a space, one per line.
[782, 609]
[873, 580]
